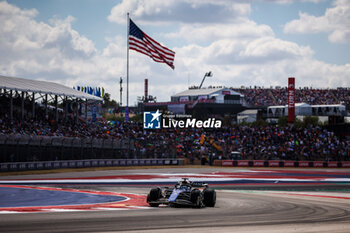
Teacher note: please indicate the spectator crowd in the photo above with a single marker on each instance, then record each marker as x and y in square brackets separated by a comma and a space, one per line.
[258, 96]
[270, 142]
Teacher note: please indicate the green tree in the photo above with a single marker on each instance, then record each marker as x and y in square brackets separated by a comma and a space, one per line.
[108, 102]
[260, 122]
[282, 121]
[111, 117]
[311, 120]
[299, 123]
[227, 121]
[137, 118]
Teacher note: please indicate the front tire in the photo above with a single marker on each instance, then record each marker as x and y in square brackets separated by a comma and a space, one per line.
[154, 195]
[196, 198]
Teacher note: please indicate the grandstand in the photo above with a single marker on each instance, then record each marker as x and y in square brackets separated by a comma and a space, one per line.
[202, 102]
[30, 92]
[259, 96]
[303, 109]
[234, 100]
[31, 130]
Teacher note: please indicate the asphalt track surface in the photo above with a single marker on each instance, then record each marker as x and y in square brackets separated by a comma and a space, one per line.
[287, 208]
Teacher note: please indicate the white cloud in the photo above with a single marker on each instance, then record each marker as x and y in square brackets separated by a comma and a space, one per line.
[272, 49]
[246, 29]
[261, 62]
[238, 52]
[30, 44]
[185, 11]
[291, 1]
[335, 22]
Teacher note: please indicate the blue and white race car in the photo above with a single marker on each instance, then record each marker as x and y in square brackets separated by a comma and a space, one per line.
[185, 193]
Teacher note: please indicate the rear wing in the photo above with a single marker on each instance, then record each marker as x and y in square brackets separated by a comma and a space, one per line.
[199, 184]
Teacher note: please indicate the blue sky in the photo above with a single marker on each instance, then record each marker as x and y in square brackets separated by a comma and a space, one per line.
[244, 43]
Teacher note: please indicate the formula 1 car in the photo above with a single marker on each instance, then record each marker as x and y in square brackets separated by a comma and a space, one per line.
[185, 193]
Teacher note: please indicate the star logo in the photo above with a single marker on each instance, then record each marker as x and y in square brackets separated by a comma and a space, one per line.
[156, 115]
[151, 120]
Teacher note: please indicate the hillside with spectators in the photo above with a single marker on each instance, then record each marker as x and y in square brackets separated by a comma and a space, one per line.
[259, 96]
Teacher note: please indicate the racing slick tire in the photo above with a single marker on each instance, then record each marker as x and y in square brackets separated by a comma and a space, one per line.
[209, 196]
[196, 198]
[151, 204]
[154, 195]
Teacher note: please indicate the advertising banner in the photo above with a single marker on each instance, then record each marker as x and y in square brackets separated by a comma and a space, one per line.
[318, 164]
[109, 163]
[13, 166]
[126, 114]
[291, 100]
[135, 162]
[184, 98]
[48, 165]
[160, 162]
[31, 166]
[154, 162]
[101, 163]
[22, 166]
[94, 163]
[243, 163]
[274, 163]
[4, 167]
[304, 164]
[39, 165]
[333, 164]
[258, 163]
[345, 164]
[227, 163]
[289, 163]
[64, 164]
[122, 162]
[87, 164]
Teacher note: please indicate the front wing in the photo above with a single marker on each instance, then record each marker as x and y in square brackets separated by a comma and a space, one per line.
[182, 200]
[165, 201]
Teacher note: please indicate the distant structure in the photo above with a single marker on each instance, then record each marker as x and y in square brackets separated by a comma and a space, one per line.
[202, 102]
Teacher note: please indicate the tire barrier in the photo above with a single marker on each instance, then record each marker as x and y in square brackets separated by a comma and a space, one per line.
[43, 165]
[278, 163]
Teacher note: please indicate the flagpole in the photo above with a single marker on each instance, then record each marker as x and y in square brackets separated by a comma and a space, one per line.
[127, 71]
[127, 85]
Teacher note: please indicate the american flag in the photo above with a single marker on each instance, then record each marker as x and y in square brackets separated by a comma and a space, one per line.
[141, 42]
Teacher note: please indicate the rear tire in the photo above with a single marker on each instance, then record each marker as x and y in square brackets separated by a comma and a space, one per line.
[209, 197]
